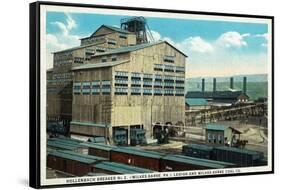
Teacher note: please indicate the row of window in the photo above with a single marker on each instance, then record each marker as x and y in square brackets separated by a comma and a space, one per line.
[169, 68]
[147, 77]
[124, 91]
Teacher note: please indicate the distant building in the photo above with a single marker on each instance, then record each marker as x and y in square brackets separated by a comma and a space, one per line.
[221, 98]
[196, 104]
[221, 135]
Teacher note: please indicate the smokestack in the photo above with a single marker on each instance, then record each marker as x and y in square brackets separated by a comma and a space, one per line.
[203, 85]
[214, 84]
[244, 85]
[231, 83]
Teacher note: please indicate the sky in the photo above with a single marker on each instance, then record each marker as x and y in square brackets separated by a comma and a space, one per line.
[214, 48]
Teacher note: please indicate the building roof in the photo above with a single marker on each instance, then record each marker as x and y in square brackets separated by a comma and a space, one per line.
[135, 48]
[196, 161]
[63, 146]
[214, 95]
[82, 155]
[98, 146]
[121, 168]
[199, 147]
[138, 152]
[196, 101]
[256, 155]
[78, 47]
[216, 127]
[72, 157]
[89, 124]
[99, 65]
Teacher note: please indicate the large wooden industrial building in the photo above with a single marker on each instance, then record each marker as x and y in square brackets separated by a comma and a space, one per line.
[116, 79]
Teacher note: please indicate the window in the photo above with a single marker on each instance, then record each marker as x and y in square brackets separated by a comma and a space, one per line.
[96, 87]
[169, 92]
[147, 83]
[158, 84]
[95, 90]
[158, 92]
[135, 83]
[104, 59]
[100, 50]
[220, 139]
[136, 91]
[114, 58]
[158, 67]
[209, 137]
[86, 88]
[180, 79]
[179, 93]
[180, 69]
[168, 84]
[121, 75]
[121, 91]
[136, 76]
[105, 90]
[169, 68]
[121, 82]
[123, 36]
[169, 59]
[168, 79]
[179, 85]
[147, 91]
[158, 78]
[78, 60]
[77, 88]
[111, 42]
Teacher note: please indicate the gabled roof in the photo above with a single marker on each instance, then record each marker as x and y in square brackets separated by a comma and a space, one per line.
[97, 65]
[135, 48]
[112, 28]
[196, 101]
[216, 127]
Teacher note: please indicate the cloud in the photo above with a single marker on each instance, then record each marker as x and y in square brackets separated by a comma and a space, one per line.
[197, 44]
[62, 39]
[154, 36]
[232, 39]
[264, 37]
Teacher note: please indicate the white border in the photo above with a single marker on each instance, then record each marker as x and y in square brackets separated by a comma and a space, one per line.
[43, 67]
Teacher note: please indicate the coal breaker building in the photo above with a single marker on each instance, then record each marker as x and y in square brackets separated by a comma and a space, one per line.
[117, 83]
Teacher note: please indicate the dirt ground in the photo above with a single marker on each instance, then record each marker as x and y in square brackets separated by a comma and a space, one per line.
[252, 131]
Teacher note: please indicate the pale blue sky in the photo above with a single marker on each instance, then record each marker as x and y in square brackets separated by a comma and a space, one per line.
[215, 48]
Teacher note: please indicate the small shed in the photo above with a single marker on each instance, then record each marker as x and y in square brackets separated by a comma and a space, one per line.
[193, 104]
[218, 135]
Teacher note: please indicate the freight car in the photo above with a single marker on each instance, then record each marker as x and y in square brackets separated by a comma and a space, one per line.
[237, 156]
[97, 149]
[117, 168]
[136, 157]
[183, 163]
[198, 151]
[240, 157]
[71, 163]
[66, 144]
